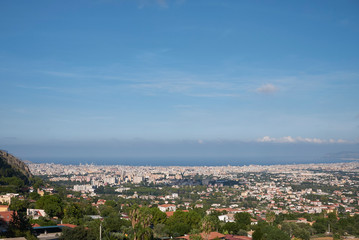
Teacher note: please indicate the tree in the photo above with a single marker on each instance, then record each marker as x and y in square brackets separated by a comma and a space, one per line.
[179, 223]
[321, 225]
[43, 221]
[140, 221]
[270, 217]
[106, 210]
[257, 235]
[195, 237]
[242, 232]
[78, 233]
[73, 214]
[207, 226]
[266, 232]
[193, 218]
[243, 219]
[273, 233]
[160, 230]
[52, 204]
[158, 216]
[37, 182]
[114, 223]
[34, 196]
[18, 205]
[19, 225]
[230, 227]
[293, 229]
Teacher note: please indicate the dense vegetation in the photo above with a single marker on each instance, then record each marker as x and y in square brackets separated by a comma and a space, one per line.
[14, 174]
[130, 221]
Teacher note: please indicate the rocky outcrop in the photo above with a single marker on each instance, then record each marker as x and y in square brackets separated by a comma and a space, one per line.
[15, 163]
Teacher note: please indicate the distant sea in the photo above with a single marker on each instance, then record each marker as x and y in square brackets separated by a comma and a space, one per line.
[187, 161]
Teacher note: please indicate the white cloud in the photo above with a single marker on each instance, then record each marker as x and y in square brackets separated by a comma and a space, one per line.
[289, 139]
[266, 139]
[267, 88]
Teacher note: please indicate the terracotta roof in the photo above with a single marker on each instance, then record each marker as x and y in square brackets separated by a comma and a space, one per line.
[227, 209]
[167, 205]
[236, 237]
[170, 213]
[67, 225]
[213, 235]
[6, 216]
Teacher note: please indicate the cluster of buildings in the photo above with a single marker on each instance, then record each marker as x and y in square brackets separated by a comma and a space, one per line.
[305, 188]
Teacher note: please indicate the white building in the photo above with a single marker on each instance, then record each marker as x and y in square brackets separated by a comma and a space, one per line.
[35, 213]
[226, 218]
[167, 207]
[84, 188]
[137, 179]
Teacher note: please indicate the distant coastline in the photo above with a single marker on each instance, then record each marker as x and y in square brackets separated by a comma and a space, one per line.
[188, 161]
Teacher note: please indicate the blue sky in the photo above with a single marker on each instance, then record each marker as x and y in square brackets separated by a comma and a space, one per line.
[171, 71]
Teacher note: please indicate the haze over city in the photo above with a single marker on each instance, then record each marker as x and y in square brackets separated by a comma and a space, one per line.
[179, 82]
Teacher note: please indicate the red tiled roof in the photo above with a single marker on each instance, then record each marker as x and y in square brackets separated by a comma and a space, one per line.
[213, 235]
[167, 205]
[170, 213]
[67, 225]
[236, 237]
[6, 216]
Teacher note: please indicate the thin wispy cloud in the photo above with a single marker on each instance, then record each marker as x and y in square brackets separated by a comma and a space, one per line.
[162, 81]
[289, 139]
[267, 89]
[37, 87]
[213, 95]
[72, 75]
[189, 87]
[154, 84]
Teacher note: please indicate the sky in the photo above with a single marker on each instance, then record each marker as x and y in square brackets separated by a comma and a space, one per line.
[191, 79]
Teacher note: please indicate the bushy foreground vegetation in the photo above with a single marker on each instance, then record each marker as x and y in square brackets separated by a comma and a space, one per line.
[126, 220]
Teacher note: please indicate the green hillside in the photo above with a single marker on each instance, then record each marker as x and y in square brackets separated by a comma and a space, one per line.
[14, 173]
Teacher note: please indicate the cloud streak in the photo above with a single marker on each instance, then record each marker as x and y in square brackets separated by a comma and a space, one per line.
[289, 139]
[267, 89]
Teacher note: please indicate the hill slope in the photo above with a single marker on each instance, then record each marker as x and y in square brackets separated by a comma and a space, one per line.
[14, 173]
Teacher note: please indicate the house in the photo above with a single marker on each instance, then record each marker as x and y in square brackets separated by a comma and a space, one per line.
[167, 207]
[302, 220]
[4, 208]
[35, 213]
[226, 218]
[7, 197]
[6, 216]
[254, 221]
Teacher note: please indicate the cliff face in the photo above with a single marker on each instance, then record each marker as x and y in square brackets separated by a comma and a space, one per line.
[15, 163]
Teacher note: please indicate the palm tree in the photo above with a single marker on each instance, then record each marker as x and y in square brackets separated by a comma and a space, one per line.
[140, 221]
[270, 217]
[207, 226]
